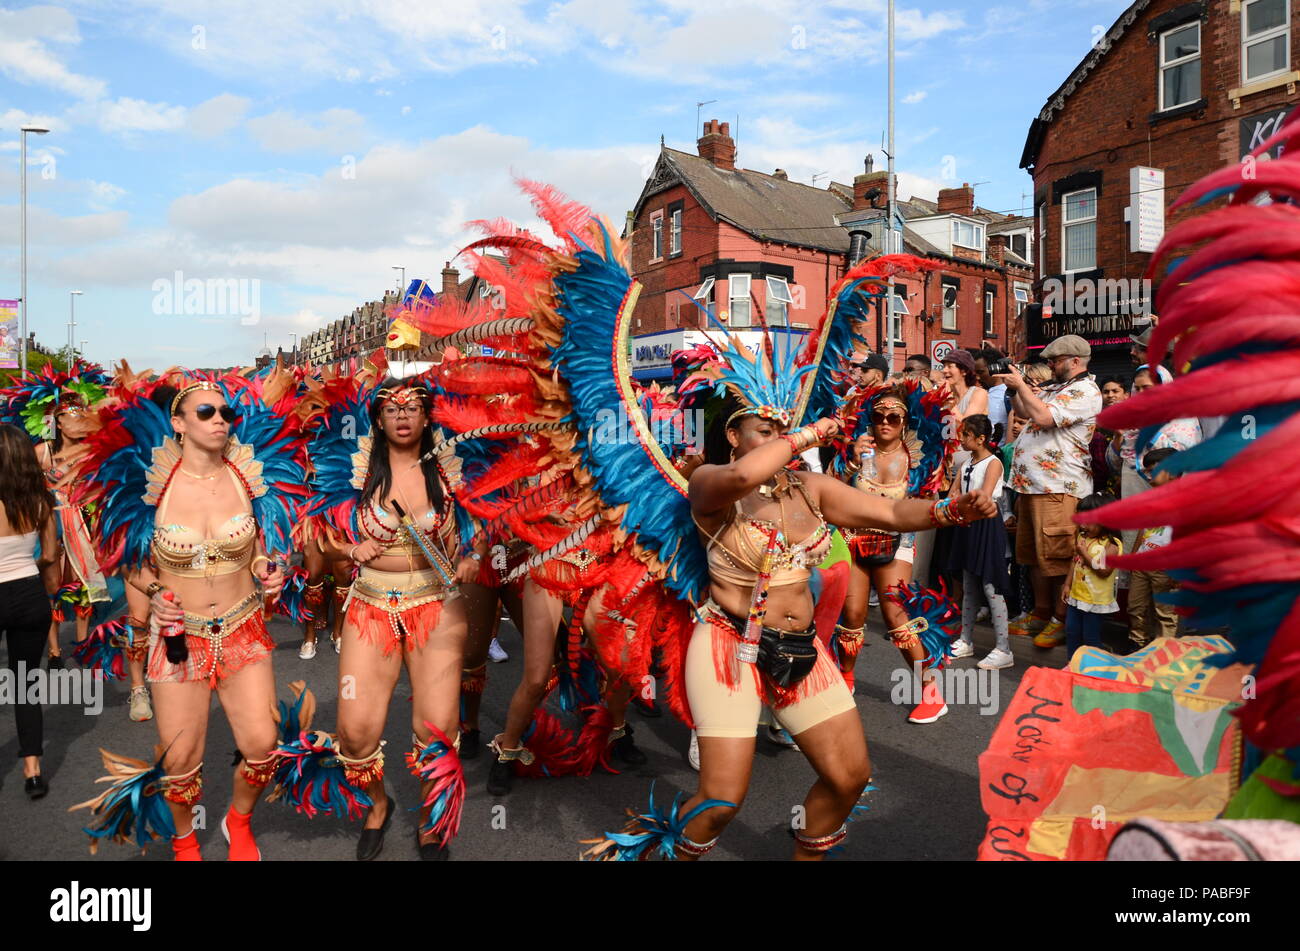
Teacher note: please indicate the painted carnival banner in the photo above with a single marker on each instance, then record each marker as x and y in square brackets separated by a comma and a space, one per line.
[1081, 751]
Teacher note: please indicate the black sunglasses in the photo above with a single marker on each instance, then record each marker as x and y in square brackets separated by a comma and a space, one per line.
[892, 419]
[206, 411]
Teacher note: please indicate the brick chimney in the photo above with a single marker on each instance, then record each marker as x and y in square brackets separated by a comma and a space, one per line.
[716, 144]
[998, 244]
[450, 279]
[957, 201]
[862, 184]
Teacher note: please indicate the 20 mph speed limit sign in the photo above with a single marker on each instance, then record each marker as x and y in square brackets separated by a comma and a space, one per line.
[941, 348]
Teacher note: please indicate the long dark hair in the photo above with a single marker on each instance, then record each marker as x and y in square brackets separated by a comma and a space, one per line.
[379, 473]
[26, 498]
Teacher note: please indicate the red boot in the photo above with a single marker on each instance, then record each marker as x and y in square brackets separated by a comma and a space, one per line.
[243, 847]
[185, 848]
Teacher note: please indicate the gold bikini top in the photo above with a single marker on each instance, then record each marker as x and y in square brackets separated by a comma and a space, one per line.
[736, 550]
[184, 551]
[386, 528]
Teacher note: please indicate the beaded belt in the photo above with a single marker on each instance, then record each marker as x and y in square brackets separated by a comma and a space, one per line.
[215, 630]
[398, 591]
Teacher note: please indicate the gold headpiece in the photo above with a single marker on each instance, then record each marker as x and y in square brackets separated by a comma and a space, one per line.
[403, 395]
[202, 385]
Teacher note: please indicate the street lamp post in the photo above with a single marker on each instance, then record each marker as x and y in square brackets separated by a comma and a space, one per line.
[72, 322]
[22, 228]
[295, 346]
[82, 351]
[401, 286]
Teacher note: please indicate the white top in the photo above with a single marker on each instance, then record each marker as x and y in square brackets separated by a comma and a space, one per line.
[998, 405]
[973, 474]
[18, 557]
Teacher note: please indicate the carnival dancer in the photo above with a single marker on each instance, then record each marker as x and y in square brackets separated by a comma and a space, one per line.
[899, 452]
[384, 503]
[198, 479]
[51, 405]
[575, 301]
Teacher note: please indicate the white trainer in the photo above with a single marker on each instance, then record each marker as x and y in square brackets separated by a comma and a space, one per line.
[308, 650]
[497, 653]
[998, 659]
[962, 648]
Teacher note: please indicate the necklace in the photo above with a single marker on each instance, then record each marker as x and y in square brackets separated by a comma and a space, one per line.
[889, 452]
[201, 478]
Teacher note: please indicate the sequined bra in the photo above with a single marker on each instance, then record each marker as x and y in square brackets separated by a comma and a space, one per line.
[736, 550]
[386, 528]
[184, 551]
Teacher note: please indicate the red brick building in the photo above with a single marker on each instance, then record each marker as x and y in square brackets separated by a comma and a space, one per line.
[744, 243]
[1172, 92]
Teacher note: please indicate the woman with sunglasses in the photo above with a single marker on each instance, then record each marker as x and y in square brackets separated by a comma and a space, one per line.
[405, 608]
[898, 453]
[198, 531]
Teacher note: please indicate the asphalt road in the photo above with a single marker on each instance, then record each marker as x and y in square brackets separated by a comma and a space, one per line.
[925, 805]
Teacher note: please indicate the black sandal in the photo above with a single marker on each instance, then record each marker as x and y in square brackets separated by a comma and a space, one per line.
[371, 842]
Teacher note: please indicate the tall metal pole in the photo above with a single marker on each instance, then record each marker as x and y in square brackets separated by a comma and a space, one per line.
[889, 249]
[22, 230]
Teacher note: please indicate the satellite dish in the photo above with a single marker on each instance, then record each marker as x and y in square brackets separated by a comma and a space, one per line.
[949, 296]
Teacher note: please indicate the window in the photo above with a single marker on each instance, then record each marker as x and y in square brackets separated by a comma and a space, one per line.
[675, 233]
[1265, 37]
[778, 302]
[657, 227]
[950, 305]
[1022, 299]
[900, 309]
[967, 234]
[1019, 244]
[705, 294]
[738, 300]
[1042, 234]
[988, 313]
[1180, 66]
[1079, 230]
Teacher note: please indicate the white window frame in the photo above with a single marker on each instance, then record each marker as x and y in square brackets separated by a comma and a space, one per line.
[1182, 61]
[675, 232]
[657, 236]
[704, 296]
[977, 234]
[735, 284]
[990, 301]
[1021, 293]
[1284, 31]
[778, 292]
[1067, 224]
[900, 311]
[1042, 236]
[943, 307]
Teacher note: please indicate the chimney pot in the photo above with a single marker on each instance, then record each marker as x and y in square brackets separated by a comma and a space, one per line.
[717, 146]
[780, 173]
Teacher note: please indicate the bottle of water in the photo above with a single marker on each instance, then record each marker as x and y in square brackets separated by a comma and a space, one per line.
[868, 461]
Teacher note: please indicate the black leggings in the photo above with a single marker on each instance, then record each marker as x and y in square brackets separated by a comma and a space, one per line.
[25, 618]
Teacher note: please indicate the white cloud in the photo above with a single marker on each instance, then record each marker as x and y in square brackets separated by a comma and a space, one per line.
[104, 193]
[48, 230]
[216, 116]
[15, 119]
[914, 97]
[125, 115]
[334, 130]
[25, 57]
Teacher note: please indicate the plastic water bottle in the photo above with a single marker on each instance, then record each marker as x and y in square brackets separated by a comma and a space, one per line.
[868, 461]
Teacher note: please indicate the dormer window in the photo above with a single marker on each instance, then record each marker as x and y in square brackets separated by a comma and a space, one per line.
[967, 234]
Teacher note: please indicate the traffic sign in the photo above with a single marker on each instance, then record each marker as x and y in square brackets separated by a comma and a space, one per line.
[940, 349]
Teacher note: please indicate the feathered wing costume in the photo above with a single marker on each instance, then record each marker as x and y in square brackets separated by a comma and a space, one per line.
[569, 307]
[127, 468]
[31, 404]
[1229, 303]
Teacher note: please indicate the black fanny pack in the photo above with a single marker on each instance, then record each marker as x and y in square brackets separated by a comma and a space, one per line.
[784, 656]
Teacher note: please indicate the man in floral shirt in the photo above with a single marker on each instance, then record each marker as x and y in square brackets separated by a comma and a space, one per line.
[1052, 471]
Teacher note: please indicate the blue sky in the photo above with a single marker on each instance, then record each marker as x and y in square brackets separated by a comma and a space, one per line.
[305, 147]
